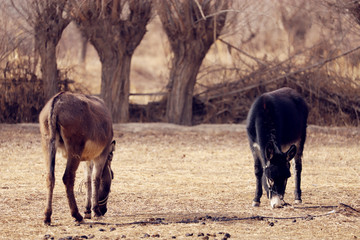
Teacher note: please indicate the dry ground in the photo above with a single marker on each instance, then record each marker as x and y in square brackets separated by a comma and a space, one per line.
[195, 179]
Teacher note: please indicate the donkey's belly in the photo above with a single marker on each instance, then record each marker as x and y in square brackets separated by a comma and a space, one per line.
[91, 150]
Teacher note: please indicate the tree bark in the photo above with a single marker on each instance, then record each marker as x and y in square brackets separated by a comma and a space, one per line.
[115, 28]
[115, 86]
[190, 35]
[48, 67]
[49, 23]
[115, 75]
[186, 65]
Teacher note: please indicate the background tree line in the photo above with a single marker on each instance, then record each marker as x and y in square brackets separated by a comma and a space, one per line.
[116, 27]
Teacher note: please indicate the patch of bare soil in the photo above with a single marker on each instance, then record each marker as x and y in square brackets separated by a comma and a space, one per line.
[174, 182]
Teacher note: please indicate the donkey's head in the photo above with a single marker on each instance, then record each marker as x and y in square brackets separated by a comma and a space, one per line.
[277, 172]
[105, 182]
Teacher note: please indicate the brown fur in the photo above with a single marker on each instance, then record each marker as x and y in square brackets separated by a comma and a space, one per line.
[81, 127]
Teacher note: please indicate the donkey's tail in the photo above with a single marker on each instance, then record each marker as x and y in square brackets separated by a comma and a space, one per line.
[52, 120]
[51, 151]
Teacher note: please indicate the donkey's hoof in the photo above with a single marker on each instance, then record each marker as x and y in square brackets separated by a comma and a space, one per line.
[97, 212]
[78, 218]
[98, 217]
[298, 201]
[78, 222]
[47, 222]
[87, 216]
[255, 204]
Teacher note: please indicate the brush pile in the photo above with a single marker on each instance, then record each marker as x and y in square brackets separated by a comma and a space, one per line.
[332, 98]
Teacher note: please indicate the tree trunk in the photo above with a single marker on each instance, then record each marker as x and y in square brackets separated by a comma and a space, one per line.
[49, 20]
[183, 74]
[190, 36]
[84, 43]
[49, 70]
[115, 29]
[115, 86]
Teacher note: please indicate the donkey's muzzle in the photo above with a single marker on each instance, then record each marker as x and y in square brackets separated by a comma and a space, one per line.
[102, 205]
[103, 210]
[276, 201]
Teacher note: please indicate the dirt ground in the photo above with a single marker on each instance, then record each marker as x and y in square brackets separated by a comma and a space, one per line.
[175, 182]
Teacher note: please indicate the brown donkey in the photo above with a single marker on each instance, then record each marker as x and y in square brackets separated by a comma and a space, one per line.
[81, 127]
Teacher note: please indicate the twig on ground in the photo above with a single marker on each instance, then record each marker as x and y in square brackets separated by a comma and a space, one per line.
[161, 221]
[349, 207]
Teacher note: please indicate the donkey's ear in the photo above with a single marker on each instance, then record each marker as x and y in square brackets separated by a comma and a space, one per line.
[290, 154]
[269, 151]
[112, 148]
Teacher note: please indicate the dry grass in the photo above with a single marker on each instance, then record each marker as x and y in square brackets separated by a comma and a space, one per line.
[179, 173]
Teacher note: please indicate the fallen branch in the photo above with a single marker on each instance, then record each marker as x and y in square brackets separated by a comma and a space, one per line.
[149, 94]
[316, 207]
[349, 207]
[161, 221]
[243, 52]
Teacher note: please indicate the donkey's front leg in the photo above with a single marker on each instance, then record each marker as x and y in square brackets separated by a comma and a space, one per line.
[98, 166]
[88, 172]
[69, 179]
[258, 174]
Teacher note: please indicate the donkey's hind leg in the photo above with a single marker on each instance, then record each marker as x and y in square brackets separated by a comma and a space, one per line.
[49, 151]
[298, 169]
[69, 179]
[50, 182]
[88, 172]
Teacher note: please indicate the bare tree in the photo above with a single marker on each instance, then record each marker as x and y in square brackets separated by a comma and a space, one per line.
[48, 19]
[84, 43]
[115, 28]
[8, 36]
[297, 22]
[348, 8]
[192, 26]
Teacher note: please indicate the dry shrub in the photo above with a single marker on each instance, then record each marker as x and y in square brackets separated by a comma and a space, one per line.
[155, 111]
[21, 96]
[21, 91]
[151, 112]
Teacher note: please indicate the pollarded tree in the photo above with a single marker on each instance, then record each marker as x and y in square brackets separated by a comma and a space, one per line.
[48, 19]
[115, 28]
[192, 26]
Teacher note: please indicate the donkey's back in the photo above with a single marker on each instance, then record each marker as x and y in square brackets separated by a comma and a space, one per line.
[282, 112]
